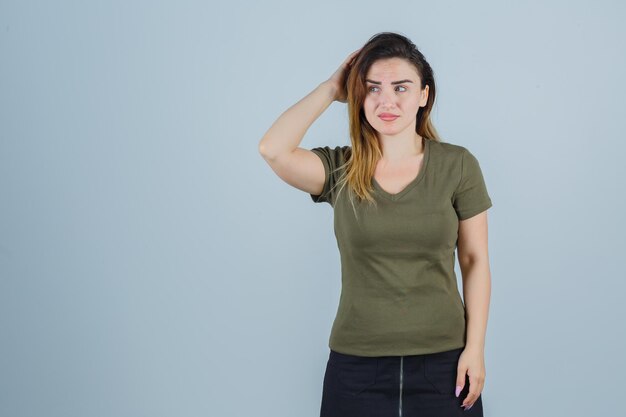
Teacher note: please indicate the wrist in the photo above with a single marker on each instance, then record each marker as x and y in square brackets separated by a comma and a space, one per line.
[330, 89]
[474, 347]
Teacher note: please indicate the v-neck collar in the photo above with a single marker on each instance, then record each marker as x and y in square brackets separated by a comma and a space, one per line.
[413, 183]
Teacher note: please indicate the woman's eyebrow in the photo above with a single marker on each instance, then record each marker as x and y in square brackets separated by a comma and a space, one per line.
[393, 82]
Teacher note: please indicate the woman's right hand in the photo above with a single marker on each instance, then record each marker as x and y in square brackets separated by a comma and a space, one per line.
[338, 79]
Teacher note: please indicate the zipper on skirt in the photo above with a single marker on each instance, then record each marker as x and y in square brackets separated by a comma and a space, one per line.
[401, 377]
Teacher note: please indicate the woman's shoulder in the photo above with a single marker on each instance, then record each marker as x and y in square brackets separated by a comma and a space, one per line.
[333, 155]
[451, 152]
[448, 147]
[335, 152]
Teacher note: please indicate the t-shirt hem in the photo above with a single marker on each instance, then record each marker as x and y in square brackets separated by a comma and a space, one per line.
[466, 214]
[322, 198]
[406, 352]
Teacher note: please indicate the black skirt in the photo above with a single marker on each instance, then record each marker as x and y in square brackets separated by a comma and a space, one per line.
[395, 386]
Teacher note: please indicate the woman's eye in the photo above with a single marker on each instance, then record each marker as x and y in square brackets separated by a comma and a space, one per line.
[400, 86]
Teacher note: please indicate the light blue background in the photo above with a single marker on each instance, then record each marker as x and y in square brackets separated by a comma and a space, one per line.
[152, 264]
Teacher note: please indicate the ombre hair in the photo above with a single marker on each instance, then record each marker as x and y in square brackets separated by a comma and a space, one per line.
[365, 152]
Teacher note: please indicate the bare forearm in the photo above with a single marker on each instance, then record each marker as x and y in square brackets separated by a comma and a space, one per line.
[476, 293]
[288, 130]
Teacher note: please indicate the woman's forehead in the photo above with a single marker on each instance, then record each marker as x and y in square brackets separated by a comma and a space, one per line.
[389, 70]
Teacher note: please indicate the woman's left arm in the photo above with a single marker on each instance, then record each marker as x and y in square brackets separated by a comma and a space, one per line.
[473, 256]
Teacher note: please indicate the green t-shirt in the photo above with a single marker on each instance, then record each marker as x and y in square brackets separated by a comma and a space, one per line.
[399, 293]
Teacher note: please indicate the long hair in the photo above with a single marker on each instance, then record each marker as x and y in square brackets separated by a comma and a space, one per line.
[365, 152]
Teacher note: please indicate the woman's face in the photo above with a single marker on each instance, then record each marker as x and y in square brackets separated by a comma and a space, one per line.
[394, 87]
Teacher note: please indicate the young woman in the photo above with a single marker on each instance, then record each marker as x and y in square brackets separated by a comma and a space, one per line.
[403, 343]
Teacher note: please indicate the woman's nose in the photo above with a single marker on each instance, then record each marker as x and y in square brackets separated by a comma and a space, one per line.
[387, 98]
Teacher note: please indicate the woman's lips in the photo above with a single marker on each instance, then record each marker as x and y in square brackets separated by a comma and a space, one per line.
[389, 118]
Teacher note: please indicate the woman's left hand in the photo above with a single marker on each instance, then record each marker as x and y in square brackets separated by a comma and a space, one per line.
[472, 363]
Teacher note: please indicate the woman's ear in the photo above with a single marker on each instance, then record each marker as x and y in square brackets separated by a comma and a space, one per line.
[424, 96]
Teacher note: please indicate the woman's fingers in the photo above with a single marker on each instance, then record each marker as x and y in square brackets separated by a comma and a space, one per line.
[475, 388]
[351, 56]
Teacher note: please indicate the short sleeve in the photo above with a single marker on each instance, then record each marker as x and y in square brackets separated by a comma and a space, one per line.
[471, 196]
[332, 158]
